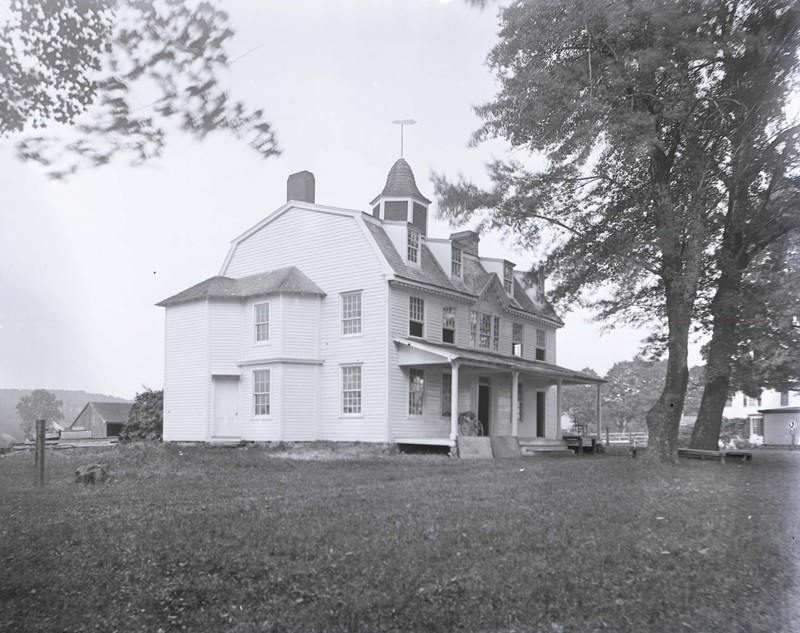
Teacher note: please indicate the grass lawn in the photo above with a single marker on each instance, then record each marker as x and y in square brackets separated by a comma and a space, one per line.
[246, 540]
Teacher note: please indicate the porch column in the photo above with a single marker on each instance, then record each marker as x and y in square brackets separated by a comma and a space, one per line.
[599, 417]
[454, 400]
[514, 403]
[558, 408]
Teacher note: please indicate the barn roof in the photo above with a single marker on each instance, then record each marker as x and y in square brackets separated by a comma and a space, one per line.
[288, 279]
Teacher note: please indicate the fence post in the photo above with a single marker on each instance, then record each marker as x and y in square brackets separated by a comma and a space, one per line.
[608, 442]
[40, 424]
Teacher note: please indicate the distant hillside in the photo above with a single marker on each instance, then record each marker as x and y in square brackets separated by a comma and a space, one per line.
[74, 401]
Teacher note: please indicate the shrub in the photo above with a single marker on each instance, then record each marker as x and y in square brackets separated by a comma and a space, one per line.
[146, 419]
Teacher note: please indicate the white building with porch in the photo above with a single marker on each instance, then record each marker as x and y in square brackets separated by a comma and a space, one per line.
[333, 324]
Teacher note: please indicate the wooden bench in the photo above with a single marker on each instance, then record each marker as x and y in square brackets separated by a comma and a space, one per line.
[576, 443]
[696, 453]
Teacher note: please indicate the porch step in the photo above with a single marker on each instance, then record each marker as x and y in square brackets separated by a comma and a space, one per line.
[544, 446]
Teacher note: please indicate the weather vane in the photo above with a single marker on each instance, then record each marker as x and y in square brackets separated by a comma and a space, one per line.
[402, 123]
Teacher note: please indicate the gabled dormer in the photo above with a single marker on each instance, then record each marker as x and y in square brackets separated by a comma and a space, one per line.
[504, 270]
[404, 212]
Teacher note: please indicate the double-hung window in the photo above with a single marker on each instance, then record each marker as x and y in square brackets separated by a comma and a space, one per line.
[485, 331]
[516, 339]
[473, 327]
[448, 324]
[541, 344]
[416, 391]
[261, 313]
[455, 268]
[413, 246]
[261, 392]
[351, 389]
[496, 334]
[351, 313]
[447, 394]
[508, 272]
[416, 317]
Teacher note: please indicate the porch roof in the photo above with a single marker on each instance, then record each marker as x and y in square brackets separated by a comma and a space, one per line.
[424, 353]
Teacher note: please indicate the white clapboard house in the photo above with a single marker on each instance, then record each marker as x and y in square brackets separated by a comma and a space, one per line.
[334, 324]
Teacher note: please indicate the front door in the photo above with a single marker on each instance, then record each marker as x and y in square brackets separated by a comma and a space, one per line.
[484, 401]
[226, 407]
[541, 408]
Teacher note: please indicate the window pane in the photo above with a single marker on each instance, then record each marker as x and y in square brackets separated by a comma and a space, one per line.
[261, 393]
[486, 330]
[447, 392]
[473, 327]
[496, 334]
[448, 324]
[351, 313]
[413, 246]
[416, 316]
[416, 389]
[516, 339]
[262, 321]
[456, 262]
[508, 271]
[351, 389]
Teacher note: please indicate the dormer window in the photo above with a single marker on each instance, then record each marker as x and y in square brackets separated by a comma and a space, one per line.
[508, 272]
[413, 246]
[456, 262]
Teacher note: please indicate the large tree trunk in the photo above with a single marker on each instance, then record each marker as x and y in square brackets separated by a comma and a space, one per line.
[725, 312]
[663, 419]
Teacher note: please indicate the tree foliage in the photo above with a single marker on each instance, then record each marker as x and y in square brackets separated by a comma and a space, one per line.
[629, 104]
[146, 418]
[117, 73]
[40, 404]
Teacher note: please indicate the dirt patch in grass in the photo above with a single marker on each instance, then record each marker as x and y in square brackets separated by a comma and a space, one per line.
[198, 539]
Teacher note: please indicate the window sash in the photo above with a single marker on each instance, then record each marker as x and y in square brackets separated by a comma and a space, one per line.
[447, 394]
[473, 327]
[413, 246]
[507, 278]
[416, 316]
[261, 318]
[496, 334]
[351, 313]
[416, 391]
[261, 392]
[456, 262]
[517, 336]
[351, 390]
[485, 330]
[448, 324]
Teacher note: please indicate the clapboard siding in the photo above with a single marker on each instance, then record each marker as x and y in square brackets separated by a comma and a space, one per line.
[300, 325]
[298, 406]
[333, 251]
[259, 428]
[225, 341]
[186, 372]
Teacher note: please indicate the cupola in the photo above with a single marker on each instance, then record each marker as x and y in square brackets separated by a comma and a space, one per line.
[401, 200]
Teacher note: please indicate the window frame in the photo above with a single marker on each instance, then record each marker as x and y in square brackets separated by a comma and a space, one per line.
[456, 261]
[446, 402]
[508, 278]
[352, 390]
[416, 396]
[517, 339]
[446, 317]
[541, 344]
[257, 323]
[412, 314]
[496, 333]
[345, 296]
[414, 246]
[267, 402]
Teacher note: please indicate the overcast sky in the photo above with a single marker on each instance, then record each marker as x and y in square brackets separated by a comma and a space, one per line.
[83, 262]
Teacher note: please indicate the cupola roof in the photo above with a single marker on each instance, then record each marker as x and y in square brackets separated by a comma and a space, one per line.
[401, 182]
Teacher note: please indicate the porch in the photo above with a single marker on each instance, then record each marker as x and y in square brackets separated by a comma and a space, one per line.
[509, 396]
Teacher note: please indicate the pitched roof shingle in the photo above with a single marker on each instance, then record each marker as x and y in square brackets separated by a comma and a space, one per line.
[289, 279]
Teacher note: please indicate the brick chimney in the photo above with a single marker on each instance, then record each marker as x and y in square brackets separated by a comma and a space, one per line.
[300, 187]
[467, 241]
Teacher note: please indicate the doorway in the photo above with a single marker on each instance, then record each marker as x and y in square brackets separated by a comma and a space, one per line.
[226, 406]
[541, 408]
[484, 405]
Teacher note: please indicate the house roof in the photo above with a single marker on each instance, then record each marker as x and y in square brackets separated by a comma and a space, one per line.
[289, 279]
[401, 182]
[780, 410]
[475, 278]
[490, 359]
[110, 412]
